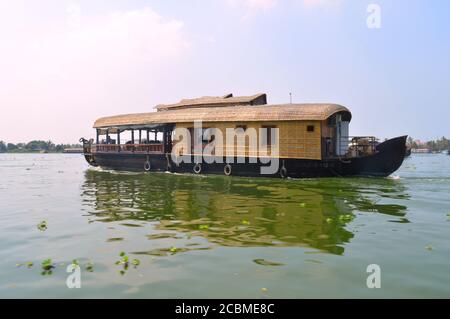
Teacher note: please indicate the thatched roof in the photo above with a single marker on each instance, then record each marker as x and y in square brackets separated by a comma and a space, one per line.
[262, 113]
[216, 101]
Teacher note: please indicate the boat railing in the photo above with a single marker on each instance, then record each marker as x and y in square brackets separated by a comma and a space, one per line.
[128, 148]
[361, 145]
[87, 145]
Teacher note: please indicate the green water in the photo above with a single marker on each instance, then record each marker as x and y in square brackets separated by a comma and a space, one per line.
[214, 236]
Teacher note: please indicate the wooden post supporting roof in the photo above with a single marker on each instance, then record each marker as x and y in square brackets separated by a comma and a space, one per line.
[118, 139]
[164, 141]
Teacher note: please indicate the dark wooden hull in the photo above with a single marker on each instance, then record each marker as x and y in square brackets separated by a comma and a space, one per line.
[388, 159]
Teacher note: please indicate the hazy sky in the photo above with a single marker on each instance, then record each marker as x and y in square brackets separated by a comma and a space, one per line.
[65, 63]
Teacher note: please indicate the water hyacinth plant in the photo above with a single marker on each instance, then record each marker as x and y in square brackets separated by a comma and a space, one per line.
[173, 249]
[89, 267]
[136, 262]
[125, 262]
[47, 267]
[42, 226]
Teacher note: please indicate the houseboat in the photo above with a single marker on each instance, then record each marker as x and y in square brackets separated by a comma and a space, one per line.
[292, 140]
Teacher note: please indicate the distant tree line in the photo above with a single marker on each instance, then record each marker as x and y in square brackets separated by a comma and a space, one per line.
[439, 145]
[35, 147]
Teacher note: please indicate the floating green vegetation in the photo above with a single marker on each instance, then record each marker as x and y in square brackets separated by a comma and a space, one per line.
[429, 247]
[264, 262]
[28, 264]
[89, 267]
[124, 257]
[340, 219]
[42, 226]
[203, 227]
[173, 249]
[125, 262]
[448, 216]
[245, 222]
[47, 267]
[303, 205]
[136, 262]
[346, 218]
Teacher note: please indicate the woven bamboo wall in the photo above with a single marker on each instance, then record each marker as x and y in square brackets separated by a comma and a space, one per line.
[295, 140]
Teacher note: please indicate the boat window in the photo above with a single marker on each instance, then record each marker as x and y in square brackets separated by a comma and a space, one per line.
[310, 128]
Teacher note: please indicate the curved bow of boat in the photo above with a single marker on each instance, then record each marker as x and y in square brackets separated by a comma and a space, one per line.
[388, 158]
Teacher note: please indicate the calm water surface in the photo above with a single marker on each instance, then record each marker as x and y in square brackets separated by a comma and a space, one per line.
[205, 237]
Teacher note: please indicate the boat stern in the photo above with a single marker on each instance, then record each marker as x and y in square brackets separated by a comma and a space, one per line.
[87, 151]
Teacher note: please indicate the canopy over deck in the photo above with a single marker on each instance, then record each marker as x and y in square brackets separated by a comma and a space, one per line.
[247, 113]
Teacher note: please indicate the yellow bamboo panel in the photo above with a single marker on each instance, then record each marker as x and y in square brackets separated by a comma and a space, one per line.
[294, 139]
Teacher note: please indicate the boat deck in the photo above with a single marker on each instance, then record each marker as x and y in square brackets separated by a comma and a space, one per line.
[156, 148]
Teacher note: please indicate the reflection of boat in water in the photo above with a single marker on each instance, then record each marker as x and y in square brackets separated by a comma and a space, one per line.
[305, 140]
[240, 212]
